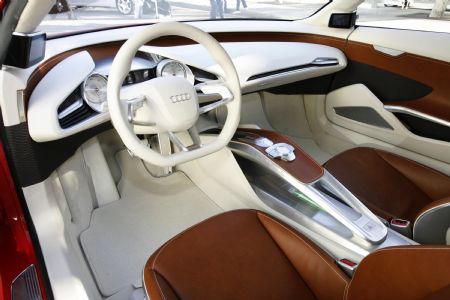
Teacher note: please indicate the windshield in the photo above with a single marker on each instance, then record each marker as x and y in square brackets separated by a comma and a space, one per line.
[69, 16]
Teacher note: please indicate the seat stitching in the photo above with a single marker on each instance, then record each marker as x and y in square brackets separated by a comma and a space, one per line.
[159, 287]
[413, 248]
[297, 236]
[346, 291]
[398, 171]
[380, 154]
[412, 162]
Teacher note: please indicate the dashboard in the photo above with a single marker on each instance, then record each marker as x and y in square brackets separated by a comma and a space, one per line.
[72, 95]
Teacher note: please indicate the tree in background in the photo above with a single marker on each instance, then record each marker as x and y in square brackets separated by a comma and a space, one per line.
[438, 9]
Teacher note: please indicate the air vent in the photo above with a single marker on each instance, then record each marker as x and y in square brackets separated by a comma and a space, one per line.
[202, 75]
[74, 110]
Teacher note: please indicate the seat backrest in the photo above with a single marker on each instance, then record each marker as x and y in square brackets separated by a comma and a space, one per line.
[413, 272]
[242, 254]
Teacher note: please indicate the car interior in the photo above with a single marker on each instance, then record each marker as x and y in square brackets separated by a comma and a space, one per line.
[235, 159]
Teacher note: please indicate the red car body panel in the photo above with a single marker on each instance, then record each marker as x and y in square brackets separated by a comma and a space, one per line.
[16, 247]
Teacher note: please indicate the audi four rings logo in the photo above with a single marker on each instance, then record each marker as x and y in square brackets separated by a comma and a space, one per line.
[180, 97]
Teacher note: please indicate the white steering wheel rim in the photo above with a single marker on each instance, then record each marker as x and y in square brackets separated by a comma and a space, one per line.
[120, 68]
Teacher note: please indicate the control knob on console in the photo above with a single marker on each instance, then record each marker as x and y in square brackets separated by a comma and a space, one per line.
[263, 142]
[281, 150]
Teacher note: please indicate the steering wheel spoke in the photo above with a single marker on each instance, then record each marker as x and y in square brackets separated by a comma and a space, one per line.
[177, 142]
[193, 134]
[132, 106]
[195, 137]
[214, 87]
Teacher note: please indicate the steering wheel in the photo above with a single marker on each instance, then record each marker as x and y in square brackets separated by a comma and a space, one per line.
[169, 105]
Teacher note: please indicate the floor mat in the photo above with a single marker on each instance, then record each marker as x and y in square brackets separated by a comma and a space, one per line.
[123, 234]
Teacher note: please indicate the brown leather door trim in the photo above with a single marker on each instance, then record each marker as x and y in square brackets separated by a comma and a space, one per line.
[428, 71]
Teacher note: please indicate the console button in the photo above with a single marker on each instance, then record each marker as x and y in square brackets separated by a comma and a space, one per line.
[263, 142]
[281, 150]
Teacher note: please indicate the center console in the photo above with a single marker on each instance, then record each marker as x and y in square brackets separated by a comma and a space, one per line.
[292, 183]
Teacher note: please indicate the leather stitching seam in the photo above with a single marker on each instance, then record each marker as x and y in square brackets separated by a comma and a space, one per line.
[159, 286]
[307, 244]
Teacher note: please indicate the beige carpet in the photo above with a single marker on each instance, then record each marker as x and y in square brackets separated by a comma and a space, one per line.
[123, 234]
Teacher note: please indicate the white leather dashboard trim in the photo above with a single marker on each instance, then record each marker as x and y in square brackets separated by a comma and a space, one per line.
[249, 58]
[51, 91]
[429, 44]
[254, 58]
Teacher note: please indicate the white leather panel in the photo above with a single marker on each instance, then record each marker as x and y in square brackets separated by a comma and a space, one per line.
[429, 44]
[51, 91]
[358, 95]
[254, 58]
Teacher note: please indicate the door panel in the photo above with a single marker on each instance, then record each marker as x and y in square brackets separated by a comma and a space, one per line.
[356, 108]
[385, 82]
[387, 86]
[430, 72]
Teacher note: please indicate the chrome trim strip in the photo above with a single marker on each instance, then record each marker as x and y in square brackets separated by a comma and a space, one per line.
[415, 113]
[325, 61]
[318, 62]
[261, 81]
[27, 34]
[72, 108]
[388, 51]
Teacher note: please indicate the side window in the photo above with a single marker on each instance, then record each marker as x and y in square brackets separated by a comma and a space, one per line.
[423, 15]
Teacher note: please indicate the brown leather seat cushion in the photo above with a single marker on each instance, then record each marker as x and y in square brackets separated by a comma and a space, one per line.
[242, 254]
[388, 184]
[413, 272]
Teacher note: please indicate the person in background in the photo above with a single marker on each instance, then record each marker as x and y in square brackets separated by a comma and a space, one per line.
[238, 4]
[405, 4]
[216, 9]
[138, 9]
